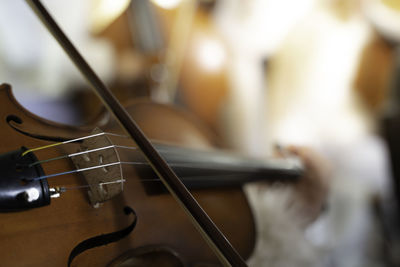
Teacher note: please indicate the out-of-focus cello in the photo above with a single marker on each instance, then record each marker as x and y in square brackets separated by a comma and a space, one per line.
[176, 53]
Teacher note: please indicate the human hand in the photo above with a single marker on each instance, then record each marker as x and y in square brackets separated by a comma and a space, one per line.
[311, 191]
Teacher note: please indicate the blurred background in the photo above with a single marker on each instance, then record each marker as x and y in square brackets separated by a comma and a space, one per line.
[317, 73]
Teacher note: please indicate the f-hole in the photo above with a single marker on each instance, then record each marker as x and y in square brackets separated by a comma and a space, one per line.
[14, 118]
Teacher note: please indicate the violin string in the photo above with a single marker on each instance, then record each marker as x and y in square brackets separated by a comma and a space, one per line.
[116, 163]
[65, 188]
[70, 141]
[183, 179]
[80, 153]
[86, 169]
[193, 178]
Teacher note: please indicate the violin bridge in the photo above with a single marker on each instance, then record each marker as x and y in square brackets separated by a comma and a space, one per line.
[104, 182]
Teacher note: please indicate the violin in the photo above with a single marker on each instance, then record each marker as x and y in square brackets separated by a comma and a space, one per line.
[71, 217]
[63, 187]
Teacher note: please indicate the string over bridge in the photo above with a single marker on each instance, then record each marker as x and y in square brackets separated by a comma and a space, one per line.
[104, 183]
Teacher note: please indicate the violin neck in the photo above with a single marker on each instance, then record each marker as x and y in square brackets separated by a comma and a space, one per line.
[211, 169]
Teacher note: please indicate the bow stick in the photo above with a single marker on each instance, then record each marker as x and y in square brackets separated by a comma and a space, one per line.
[210, 232]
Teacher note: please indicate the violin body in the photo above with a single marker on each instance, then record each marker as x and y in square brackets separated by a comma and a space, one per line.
[45, 236]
